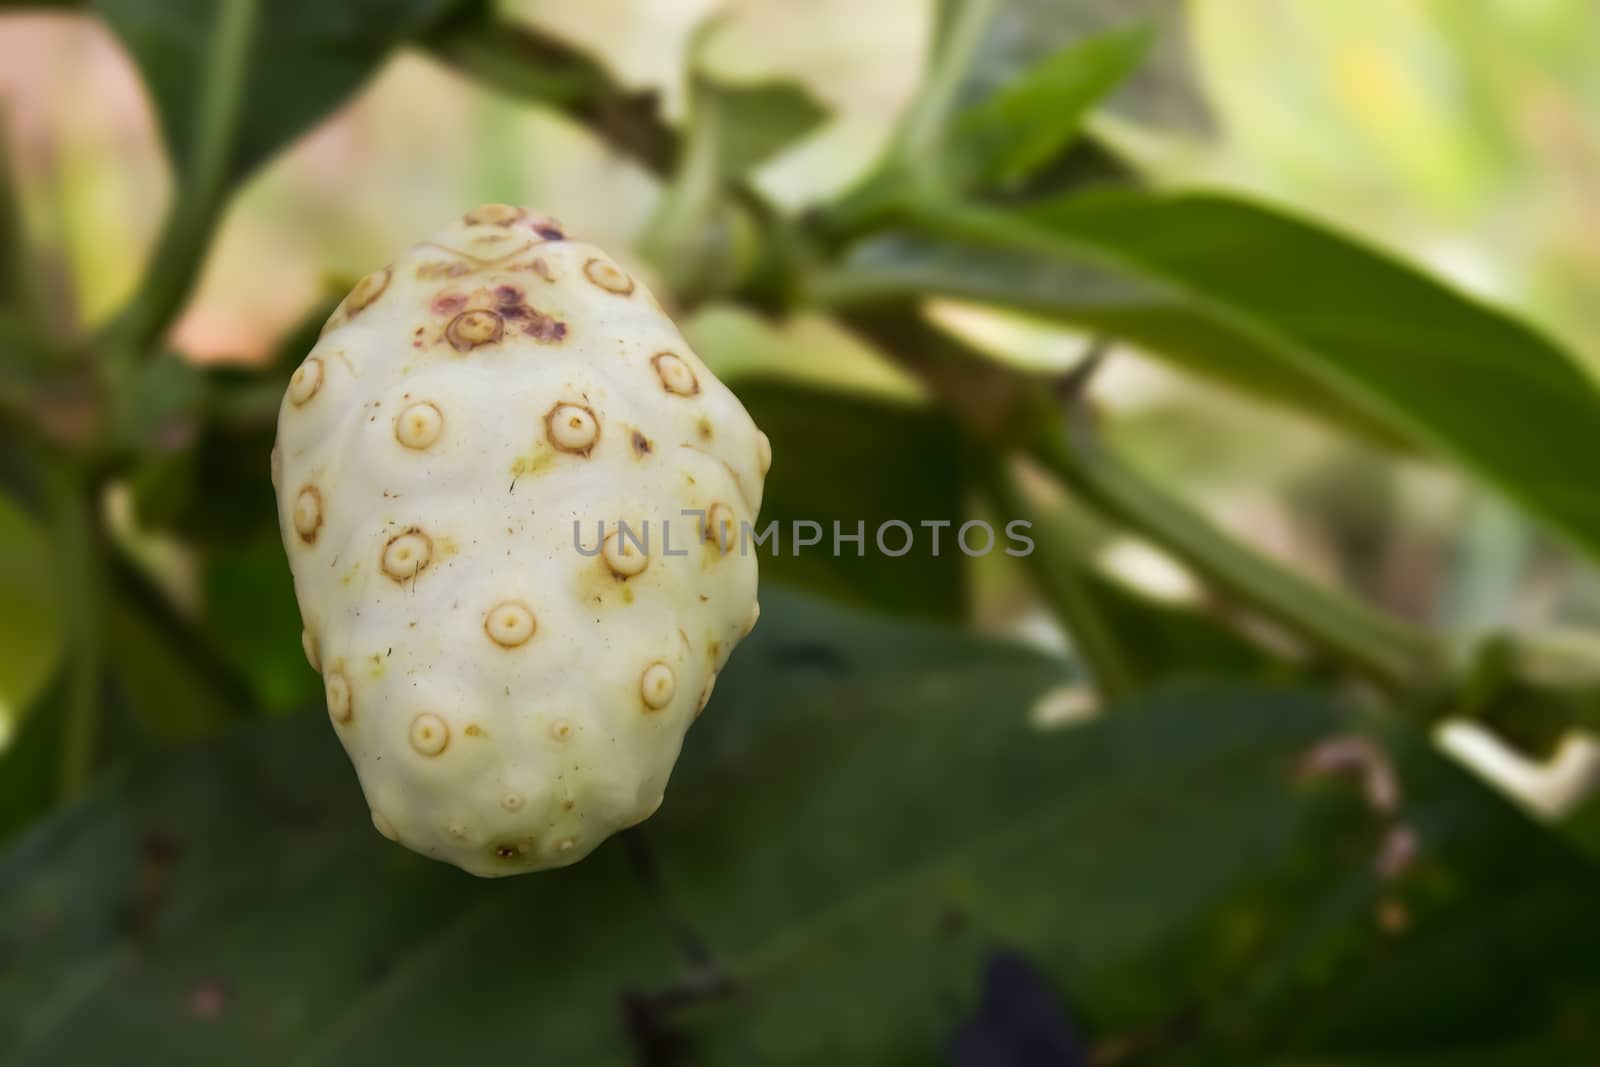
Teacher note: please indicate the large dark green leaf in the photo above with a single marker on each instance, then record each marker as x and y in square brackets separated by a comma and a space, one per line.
[232, 903]
[843, 459]
[1476, 383]
[306, 57]
[861, 818]
[1406, 350]
[1090, 296]
[1180, 888]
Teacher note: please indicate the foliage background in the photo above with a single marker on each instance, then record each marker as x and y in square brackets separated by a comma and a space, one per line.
[1104, 809]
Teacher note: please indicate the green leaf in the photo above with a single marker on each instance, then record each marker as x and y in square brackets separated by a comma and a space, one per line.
[840, 460]
[31, 632]
[305, 58]
[1165, 868]
[1021, 33]
[863, 808]
[250, 606]
[1079, 292]
[1026, 124]
[755, 121]
[1432, 364]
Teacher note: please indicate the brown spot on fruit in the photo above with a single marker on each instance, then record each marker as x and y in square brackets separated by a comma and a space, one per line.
[514, 850]
[542, 269]
[608, 276]
[472, 328]
[513, 801]
[473, 730]
[535, 323]
[641, 444]
[657, 685]
[547, 228]
[443, 268]
[429, 734]
[572, 428]
[447, 304]
[493, 215]
[419, 425]
[308, 514]
[305, 381]
[367, 291]
[624, 555]
[407, 555]
[676, 376]
[560, 730]
[509, 624]
[704, 428]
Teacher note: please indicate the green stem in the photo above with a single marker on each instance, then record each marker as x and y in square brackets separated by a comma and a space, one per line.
[71, 503]
[1384, 649]
[1058, 577]
[201, 193]
[673, 238]
[1012, 411]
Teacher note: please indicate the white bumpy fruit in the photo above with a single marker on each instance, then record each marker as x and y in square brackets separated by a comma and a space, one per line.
[512, 686]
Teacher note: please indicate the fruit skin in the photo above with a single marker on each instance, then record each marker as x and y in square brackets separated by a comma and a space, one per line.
[509, 701]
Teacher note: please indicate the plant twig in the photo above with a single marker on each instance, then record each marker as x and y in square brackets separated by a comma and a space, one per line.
[1387, 651]
[530, 66]
[202, 190]
[1010, 410]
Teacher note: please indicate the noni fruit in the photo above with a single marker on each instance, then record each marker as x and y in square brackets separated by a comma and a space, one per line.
[513, 501]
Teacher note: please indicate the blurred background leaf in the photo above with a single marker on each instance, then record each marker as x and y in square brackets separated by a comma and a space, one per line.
[1162, 92]
[1021, 127]
[30, 624]
[194, 890]
[856, 460]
